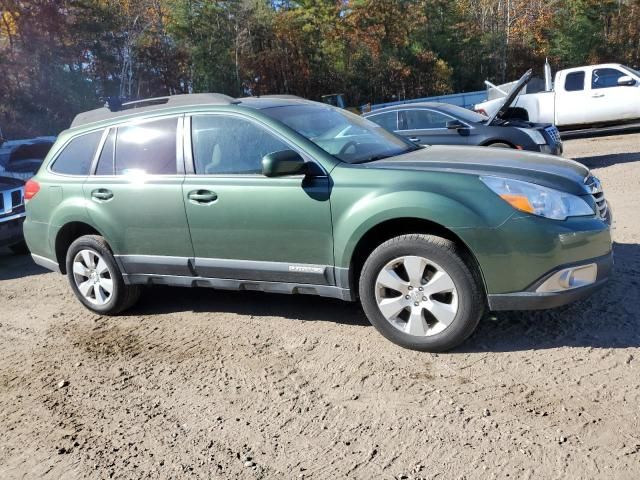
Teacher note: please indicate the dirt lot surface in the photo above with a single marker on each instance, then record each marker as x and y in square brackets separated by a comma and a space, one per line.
[207, 384]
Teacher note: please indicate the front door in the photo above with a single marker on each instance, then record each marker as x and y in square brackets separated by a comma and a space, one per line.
[428, 127]
[610, 102]
[247, 226]
[135, 196]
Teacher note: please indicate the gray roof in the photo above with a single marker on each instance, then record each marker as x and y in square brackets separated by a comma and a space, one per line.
[408, 106]
[152, 104]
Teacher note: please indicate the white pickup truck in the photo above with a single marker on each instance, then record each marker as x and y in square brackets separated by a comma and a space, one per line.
[598, 95]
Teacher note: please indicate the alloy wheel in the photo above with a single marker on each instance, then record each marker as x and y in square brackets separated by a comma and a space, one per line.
[92, 277]
[416, 296]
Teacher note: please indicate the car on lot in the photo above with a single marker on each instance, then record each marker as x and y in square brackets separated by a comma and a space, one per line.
[21, 159]
[428, 123]
[292, 196]
[12, 214]
[580, 97]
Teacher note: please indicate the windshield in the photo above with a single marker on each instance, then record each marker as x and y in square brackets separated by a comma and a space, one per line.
[631, 70]
[464, 114]
[344, 135]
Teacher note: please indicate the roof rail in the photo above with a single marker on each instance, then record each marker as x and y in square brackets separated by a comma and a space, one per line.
[115, 108]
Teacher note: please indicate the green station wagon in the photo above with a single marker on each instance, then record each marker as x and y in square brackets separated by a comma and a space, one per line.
[291, 196]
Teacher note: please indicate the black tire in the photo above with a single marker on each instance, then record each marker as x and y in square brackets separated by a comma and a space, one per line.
[471, 300]
[20, 248]
[122, 296]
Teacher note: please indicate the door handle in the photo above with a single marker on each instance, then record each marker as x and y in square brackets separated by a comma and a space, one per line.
[414, 139]
[597, 95]
[202, 196]
[102, 194]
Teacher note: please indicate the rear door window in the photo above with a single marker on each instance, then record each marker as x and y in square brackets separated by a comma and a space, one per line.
[77, 156]
[105, 162]
[574, 82]
[388, 121]
[148, 147]
[422, 120]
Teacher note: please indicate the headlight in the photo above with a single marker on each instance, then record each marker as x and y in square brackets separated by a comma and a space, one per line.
[538, 200]
[534, 135]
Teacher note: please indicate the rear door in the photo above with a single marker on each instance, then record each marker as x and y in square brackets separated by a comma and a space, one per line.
[247, 226]
[573, 94]
[135, 196]
[428, 127]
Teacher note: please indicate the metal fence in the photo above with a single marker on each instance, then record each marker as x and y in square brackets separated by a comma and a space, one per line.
[466, 100]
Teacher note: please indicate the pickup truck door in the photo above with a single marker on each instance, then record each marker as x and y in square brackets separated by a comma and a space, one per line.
[572, 96]
[608, 101]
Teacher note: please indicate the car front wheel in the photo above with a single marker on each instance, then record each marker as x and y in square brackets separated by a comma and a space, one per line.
[96, 279]
[420, 293]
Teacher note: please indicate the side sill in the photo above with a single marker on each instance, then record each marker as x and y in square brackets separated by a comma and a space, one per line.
[46, 263]
[241, 285]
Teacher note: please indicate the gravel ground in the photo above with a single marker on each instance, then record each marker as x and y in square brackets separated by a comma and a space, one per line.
[207, 384]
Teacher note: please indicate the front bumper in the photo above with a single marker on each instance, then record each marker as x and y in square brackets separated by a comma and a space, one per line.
[552, 149]
[11, 230]
[535, 299]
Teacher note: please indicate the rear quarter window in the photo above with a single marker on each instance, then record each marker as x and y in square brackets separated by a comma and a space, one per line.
[77, 156]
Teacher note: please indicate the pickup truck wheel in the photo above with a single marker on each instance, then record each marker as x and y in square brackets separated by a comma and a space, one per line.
[96, 279]
[419, 293]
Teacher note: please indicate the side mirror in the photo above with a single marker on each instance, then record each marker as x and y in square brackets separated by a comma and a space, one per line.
[461, 128]
[455, 125]
[626, 81]
[282, 163]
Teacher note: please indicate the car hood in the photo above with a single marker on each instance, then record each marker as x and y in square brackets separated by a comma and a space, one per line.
[511, 96]
[553, 172]
[7, 183]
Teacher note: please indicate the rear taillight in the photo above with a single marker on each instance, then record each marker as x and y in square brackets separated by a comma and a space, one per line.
[30, 189]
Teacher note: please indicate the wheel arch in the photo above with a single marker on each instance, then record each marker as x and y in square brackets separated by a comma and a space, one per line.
[488, 143]
[66, 235]
[391, 228]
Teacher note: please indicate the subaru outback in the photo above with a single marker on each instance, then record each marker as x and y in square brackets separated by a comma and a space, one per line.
[292, 196]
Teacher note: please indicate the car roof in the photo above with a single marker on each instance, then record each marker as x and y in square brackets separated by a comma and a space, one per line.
[176, 102]
[408, 106]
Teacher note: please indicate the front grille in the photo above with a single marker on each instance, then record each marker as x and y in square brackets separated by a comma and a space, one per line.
[11, 202]
[16, 198]
[554, 134]
[595, 188]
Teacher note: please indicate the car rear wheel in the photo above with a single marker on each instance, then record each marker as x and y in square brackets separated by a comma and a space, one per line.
[419, 292]
[499, 145]
[96, 278]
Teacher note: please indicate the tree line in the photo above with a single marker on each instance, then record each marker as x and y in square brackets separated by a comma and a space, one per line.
[60, 57]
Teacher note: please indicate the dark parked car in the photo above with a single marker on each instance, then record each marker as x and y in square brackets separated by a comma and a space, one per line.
[444, 124]
[12, 214]
[22, 158]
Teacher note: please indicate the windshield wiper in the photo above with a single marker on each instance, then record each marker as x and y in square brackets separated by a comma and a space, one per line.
[373, 158]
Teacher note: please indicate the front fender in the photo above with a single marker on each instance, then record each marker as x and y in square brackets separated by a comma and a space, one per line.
[457, 207]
